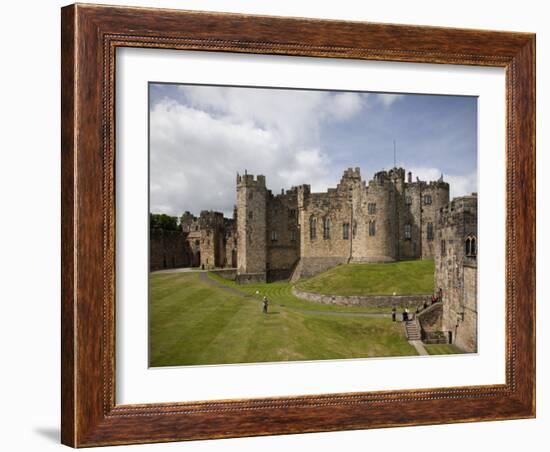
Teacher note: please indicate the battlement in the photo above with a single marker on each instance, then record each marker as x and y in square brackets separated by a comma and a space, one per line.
[210, 219]
[248, 180]
[397, 173]
[457, 208]
[352, 173]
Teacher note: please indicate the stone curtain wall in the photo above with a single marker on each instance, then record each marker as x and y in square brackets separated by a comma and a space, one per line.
[168, 249]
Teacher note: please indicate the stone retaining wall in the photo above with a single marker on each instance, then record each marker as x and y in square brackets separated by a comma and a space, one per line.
[377, 301]
[226, 273]
[250, 278]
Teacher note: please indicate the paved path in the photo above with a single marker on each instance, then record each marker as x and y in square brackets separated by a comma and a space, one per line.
[419, 347]
[181, 270]
[204, 277]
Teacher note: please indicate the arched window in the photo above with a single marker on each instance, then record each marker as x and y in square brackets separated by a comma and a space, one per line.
[372, 228]
[326, 228]
[313, 228]
[470, 247]
[345, 231]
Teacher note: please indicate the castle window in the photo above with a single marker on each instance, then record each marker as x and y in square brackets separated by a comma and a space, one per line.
[293, 236]
[291, 213]
[407, 231]
[371, 208]
[326, 229]
[354, 231]
[430, 231]
[274, 236]
[427, 199]
[250, 195]
[313, 228]
[408, 200]
[372, 228]
[443, 247]
[250, 215]
[345, 231]
[471, 247]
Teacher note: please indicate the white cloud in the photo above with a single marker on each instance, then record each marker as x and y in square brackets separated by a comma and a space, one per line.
[388, 99]
[460, 185]
[198, 146]
[346, 105]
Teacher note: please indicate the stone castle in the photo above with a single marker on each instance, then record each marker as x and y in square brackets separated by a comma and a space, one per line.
[301, 233]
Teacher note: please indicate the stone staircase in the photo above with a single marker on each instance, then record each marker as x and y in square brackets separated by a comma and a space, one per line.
[412, 329]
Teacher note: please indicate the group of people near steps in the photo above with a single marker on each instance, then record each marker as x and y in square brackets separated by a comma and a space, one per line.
[406, 315]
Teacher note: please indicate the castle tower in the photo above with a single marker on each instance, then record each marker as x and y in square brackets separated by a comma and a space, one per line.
[377, 228]
[251, 228]
[212, 251]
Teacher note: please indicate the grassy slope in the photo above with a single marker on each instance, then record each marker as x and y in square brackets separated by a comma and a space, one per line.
[442, 349]
[192, 322]
[280, 293]
[403, 278]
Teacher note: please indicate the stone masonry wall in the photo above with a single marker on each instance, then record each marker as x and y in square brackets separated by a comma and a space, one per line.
[168, 249]
[456, 272]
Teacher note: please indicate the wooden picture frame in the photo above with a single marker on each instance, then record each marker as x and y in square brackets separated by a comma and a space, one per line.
[90, 36]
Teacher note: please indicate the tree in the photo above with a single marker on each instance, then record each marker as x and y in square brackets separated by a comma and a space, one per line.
[163, 221]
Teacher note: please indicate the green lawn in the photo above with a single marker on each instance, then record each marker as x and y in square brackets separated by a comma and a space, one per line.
[193, 322]
[401, 278]
[442, 349]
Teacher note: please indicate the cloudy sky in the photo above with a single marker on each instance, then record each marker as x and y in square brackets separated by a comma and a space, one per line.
[201, 136]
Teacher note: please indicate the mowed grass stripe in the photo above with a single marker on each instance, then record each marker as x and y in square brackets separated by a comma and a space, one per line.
[186, 319]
